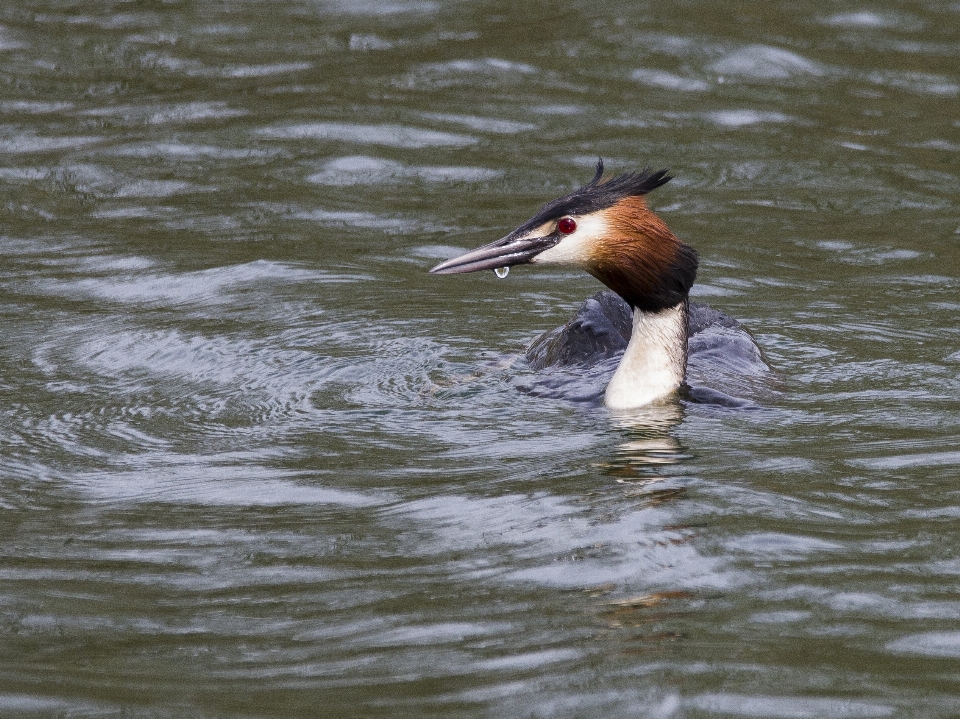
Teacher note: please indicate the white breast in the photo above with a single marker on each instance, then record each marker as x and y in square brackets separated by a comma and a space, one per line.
[655, 361]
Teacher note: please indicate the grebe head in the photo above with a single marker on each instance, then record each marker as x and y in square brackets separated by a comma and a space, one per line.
[606, 229]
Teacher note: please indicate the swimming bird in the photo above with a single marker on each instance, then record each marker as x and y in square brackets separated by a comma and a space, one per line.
[606, 229]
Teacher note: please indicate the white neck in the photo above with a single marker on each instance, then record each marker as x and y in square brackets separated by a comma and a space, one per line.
[655, 361]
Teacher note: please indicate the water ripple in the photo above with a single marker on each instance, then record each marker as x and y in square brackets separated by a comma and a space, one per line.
[669, 80]
[482, 124]
[930, 644]
[167, 114]
[370, 170]
[28, 143]
[764, 62]
[787, 707]
[213, 286]
[389, 135]
[230, 479]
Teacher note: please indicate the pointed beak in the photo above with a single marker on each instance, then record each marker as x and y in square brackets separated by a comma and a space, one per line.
[507, 252]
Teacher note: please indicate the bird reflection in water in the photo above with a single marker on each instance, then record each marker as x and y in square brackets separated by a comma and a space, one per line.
[638, 463]
[640, 467]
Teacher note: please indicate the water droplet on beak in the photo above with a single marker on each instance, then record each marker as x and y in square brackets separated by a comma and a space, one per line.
[502, 272]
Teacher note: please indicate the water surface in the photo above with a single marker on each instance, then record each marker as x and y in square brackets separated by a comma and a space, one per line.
[256, 462]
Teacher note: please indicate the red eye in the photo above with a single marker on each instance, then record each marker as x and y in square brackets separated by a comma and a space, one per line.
[567, 225]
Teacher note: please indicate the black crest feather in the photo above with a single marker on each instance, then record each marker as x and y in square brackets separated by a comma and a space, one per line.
[597, 195]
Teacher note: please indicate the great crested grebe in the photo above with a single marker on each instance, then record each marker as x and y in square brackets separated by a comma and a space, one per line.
[606, 229]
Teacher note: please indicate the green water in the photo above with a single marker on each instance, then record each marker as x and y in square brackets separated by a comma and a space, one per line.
[254, 461]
